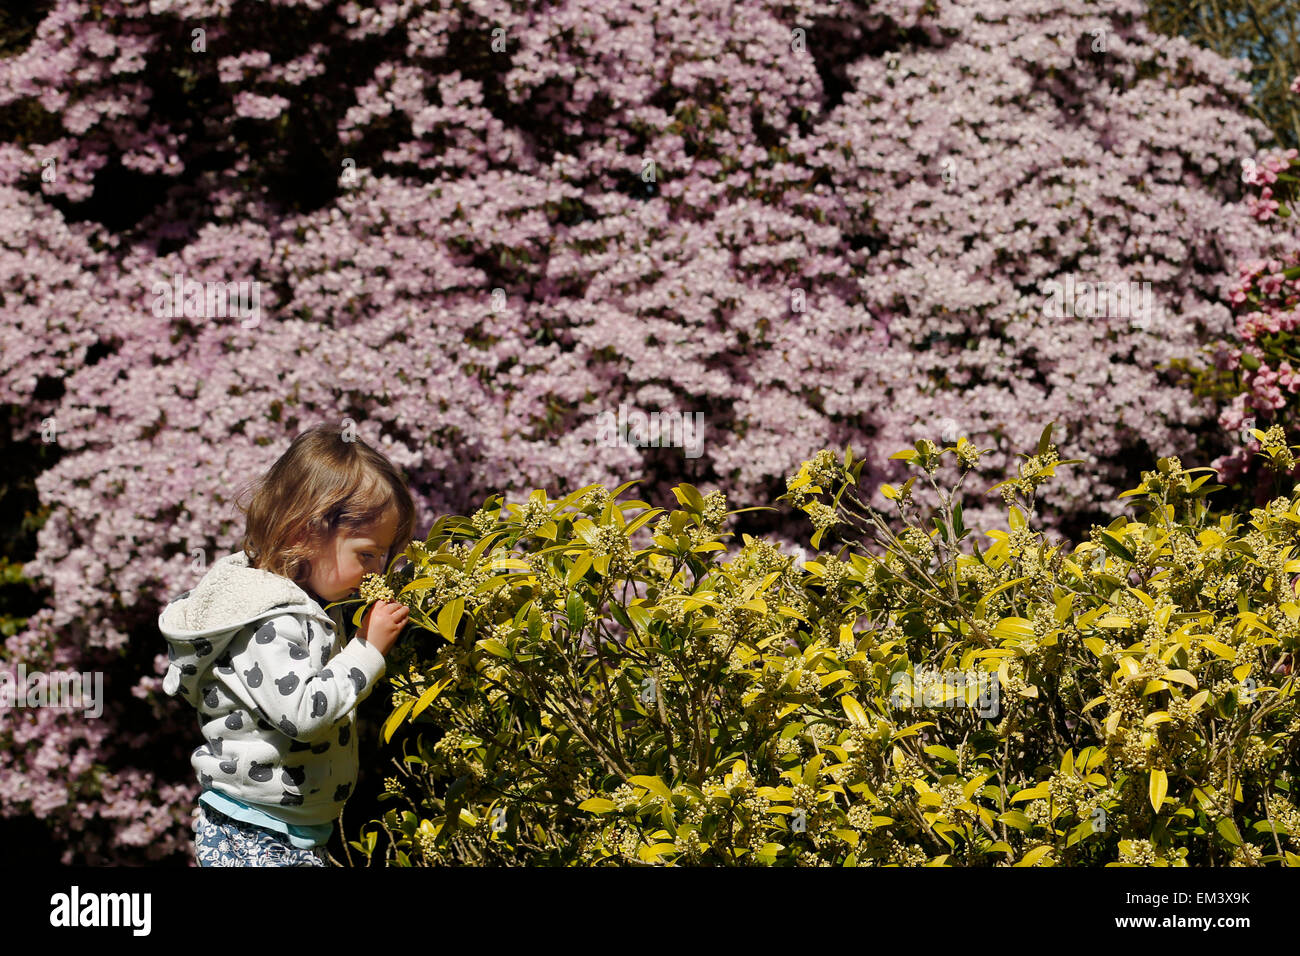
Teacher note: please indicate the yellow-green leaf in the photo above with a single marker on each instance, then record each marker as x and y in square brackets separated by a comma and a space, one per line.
[449, 617]
[854, 710]
[580, 567]
[652, 853]
[1034, 855]
[1032, 793]
[1018, 627]
[1158, 787]
[1228, 830]
[429, 696]
[654, 785]
[395, 719]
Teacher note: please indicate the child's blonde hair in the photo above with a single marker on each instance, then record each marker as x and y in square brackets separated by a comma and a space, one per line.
[320, 486]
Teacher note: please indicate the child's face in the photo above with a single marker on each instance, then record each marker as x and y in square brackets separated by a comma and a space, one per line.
[338, 569]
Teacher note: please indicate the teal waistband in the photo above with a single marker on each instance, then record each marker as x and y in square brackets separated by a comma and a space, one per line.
[303, 837]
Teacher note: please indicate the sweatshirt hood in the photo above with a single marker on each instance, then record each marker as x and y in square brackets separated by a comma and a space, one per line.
[198, 624]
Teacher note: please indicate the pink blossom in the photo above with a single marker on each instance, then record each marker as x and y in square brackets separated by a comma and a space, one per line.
[1271, 284]
[254, 106]
[1263, 207]
[1288, 378]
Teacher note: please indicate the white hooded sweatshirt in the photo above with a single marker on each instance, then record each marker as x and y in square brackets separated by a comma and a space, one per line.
[275, 690]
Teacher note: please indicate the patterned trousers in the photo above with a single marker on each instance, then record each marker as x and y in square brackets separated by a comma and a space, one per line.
[220, 840]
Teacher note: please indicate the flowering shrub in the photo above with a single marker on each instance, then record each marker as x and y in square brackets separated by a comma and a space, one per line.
[477, 229]
[1262, 361]
[575, 697]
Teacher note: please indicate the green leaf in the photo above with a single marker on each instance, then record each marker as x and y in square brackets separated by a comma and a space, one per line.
[854, 710]
[396, 718]
[1228, 830]
[1037, 792]
[640, 616]
[654, 785]
[690, 497]
[982, 603]
[641, 519]
[1034, 855]
[480, 548]
[418, 584]
[619, 614]
[651, 853]
[580, 567]
[597, 805]
[576, 611]
[572, 497]
[1045, 439]
[429, 696]
[810, 772]
[1014, 627]
[1079, 832]
[947, 753]
[1157, 788]
[449, 617]
[1016, 819]
[848, 836]
[1115, 547]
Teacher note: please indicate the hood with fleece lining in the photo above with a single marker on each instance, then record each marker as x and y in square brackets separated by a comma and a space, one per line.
[199, 623]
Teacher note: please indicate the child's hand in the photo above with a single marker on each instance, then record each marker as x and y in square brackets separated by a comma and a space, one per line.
[382, 623]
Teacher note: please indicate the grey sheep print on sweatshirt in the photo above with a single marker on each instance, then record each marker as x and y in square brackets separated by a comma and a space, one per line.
[275, 689]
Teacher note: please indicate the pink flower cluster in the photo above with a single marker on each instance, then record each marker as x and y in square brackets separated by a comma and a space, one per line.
[1264, 206]
[746, 211]
[1266, 297]
[1263, 172]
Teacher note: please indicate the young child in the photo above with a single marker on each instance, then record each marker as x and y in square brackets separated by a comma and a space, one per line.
[274, 681]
